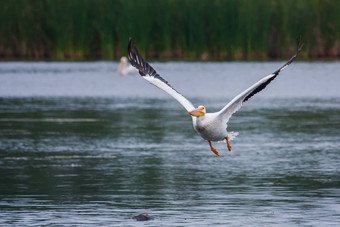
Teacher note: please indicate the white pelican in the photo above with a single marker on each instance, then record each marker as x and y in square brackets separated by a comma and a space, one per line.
[211, 126]
[124, 68]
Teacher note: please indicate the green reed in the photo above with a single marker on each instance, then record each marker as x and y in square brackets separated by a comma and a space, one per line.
[168, 29]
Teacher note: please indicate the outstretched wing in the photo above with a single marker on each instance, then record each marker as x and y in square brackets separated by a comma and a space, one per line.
[235, 104]
[148, 73]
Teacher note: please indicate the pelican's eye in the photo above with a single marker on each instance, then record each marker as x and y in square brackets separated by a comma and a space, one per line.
[202, 107]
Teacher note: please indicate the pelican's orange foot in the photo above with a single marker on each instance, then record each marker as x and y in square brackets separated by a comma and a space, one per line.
[228, 144]
[213, 149]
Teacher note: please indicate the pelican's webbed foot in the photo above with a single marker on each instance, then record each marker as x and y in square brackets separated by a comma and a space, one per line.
[228, 144]
[213, 149]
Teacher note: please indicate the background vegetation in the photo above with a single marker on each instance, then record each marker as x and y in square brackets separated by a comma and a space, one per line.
[168, 29]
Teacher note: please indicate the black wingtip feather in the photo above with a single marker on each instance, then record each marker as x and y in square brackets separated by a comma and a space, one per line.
[143, 67]
[262, 86]
[129, 47]
[299, 45]
[259, 88]
[298, 49]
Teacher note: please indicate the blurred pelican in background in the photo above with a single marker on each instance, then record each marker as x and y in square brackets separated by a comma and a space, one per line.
[125, 68]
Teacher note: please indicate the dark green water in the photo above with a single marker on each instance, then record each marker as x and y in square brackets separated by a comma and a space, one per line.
[85, 160]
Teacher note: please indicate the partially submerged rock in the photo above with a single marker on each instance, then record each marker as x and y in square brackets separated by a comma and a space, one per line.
[143, 217]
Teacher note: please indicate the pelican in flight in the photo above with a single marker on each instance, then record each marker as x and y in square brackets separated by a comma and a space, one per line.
[124, 68]
[210, 126]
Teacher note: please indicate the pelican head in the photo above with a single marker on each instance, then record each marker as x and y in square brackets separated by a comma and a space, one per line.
[123, 61]
[199, 111]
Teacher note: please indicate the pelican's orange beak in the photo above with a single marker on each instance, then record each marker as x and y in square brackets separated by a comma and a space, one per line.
[197, 112]
[120, 66]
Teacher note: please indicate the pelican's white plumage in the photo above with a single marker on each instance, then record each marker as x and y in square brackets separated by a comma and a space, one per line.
[124, 68]
[211, 126]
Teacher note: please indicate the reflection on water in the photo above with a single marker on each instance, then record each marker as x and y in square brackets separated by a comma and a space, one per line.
[85, 160]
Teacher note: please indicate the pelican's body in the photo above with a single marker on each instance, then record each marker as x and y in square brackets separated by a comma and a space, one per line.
[124, 68]
[210, 126]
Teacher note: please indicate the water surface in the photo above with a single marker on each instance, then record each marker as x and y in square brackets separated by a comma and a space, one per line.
[81, 145]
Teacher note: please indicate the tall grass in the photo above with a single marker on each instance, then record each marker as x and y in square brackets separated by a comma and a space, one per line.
[168, 29]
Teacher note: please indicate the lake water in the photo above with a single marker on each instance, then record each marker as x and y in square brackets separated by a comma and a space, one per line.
[83, 146]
